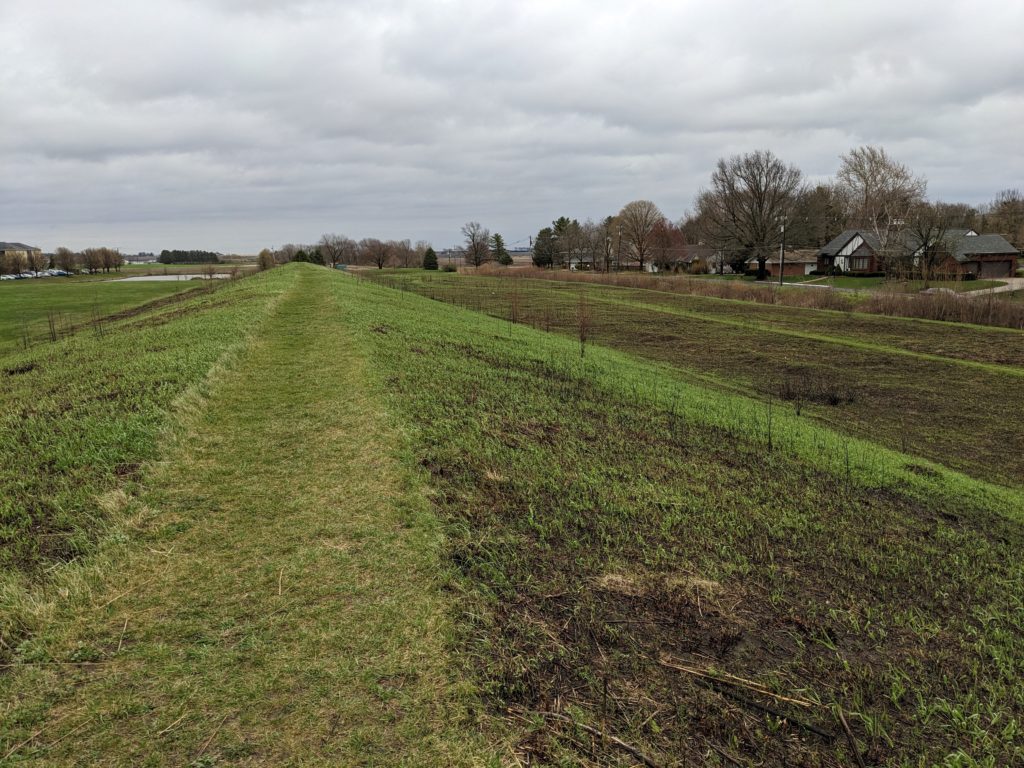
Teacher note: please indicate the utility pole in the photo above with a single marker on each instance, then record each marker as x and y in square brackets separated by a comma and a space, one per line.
[782, 253]
[618, 249]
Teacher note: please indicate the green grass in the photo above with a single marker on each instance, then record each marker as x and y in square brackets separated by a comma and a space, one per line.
[268, 592]
[610, 539]
[855, 283]
[27, 305]
[608, 516]
[938, 390]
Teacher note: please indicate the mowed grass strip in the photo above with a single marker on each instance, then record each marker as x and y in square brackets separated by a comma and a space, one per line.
[951, 411]
[278, 600]
[27, 306]
[675, 567]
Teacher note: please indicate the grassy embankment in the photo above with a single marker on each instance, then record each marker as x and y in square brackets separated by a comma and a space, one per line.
[32, 311]
[256, 585]
[615, 522]
[938, 390]
[701, 576]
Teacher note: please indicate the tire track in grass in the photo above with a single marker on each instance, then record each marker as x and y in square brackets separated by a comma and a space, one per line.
[283, 604]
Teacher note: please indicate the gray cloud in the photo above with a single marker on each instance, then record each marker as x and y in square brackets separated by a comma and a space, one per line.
[233, 124]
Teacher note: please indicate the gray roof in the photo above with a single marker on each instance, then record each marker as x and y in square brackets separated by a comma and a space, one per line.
[837, 243]
[17, 247]
[792, 257]
[961, 245]
[964, 247]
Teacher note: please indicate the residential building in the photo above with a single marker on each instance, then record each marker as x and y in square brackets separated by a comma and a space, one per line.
[963, 252]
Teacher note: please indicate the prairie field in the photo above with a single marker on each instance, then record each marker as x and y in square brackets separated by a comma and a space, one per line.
[403, 518]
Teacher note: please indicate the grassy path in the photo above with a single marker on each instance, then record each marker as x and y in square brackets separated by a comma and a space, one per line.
[281, 606]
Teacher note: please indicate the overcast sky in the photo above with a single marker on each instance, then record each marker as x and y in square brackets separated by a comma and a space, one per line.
[238, 124]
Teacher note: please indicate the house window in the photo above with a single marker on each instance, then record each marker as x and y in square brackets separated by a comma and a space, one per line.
[860, 264]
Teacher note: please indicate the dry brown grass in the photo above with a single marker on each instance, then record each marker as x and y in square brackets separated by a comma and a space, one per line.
[987, 309]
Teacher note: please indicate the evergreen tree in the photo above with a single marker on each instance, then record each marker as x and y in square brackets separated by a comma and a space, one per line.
[544, 248]
[499, 251]
[429, 259]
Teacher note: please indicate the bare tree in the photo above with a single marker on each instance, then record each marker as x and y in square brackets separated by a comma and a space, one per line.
[569, 242]
[1005, 215]
[750, 197]
[375, 251]
[36, 261]
[403, 252]
[477, 249]
[111, 259]
[610, 233]
[421, 250]
[818, 216]
[594, 244]
[92, 259]
[13, 263]
[878, 194]
[638, 220]
[65, 259]
[668, 245]
[335, 248]
[926, 240]
[286, 253]
[265, 260]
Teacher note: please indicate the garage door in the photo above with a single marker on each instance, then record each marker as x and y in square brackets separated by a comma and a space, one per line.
[996, 269]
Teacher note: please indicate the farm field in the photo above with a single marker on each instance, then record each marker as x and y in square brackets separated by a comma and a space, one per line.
[26, 305]
[892, 380]
[308, 518]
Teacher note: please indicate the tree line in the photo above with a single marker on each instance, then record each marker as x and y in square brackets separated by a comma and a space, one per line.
[332, 250]
[756, 202]
[90, 260]
[188, 257]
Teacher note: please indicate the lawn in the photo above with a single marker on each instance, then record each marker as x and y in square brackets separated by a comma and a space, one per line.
[26, 306]
[308, 518]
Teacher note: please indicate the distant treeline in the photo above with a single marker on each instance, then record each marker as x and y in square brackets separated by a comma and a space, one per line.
[188, 257]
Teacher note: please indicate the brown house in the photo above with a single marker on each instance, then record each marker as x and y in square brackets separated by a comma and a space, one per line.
[852, 251]
[966, 253]
[984, 256]
[797, 263]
